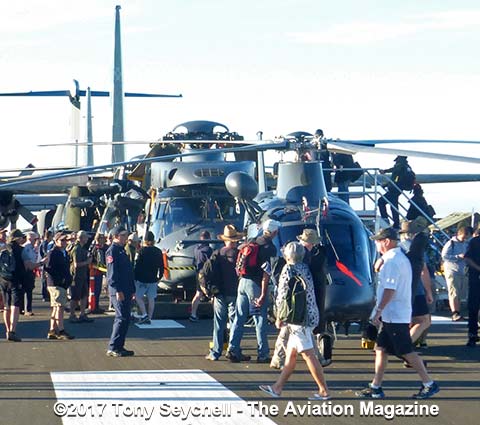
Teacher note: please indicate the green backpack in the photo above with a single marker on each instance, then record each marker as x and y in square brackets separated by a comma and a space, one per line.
[293, 307]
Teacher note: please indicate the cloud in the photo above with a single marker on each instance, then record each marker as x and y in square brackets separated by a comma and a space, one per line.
[362, 32]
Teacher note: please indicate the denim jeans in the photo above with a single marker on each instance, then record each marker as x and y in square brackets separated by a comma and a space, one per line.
[248, 290]
[120, 324]
[343, 187]
[223, 310]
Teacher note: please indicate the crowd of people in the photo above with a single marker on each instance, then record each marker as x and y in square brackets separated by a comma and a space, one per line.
[238, 277]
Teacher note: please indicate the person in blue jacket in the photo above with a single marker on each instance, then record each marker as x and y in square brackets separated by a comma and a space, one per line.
[121, 287]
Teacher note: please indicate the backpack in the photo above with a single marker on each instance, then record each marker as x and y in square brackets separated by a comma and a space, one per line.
[209, 277]
[7, 265]
[293, 306]
[247, 260]
[406, 179]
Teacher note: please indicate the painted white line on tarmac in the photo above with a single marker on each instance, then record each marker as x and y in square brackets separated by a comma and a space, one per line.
[161, 324]
[439, 320]
[149, 396]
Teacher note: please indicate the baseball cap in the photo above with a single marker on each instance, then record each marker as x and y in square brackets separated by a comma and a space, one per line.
[388, 233]
[271, 225]
[117, 230]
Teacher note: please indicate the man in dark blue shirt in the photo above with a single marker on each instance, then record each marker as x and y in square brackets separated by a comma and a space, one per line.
[121, 287]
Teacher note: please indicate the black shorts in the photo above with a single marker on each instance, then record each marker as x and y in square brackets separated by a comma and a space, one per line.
[395, 339]
[12, 296]
[420, 306]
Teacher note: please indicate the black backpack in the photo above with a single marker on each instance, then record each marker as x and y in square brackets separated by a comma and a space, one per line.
[210, 277]
[293, 307]
[406, 179]
[7, 265]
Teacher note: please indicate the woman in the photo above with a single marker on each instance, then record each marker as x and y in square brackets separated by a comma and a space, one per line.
[300, 336]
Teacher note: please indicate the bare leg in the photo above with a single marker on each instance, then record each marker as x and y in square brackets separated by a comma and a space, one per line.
[59, 317]
[381, 361]
[419, 325]
[288, 368]
[417, 363]
[316, 370]
[195, 302]
[141, 306]
[151, 307]
[6, 318]
[14, 315]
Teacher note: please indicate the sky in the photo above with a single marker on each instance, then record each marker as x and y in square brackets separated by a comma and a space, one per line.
[358, 70]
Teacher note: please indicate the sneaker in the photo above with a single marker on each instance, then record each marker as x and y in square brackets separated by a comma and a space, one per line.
[29, 313]
[120, 353]
[74, 319]
[263, 359]
[237, 359]
[427, 391]
[370, 392]
[127, 353]
[456, 317]
[211, 357]
[145, 320]
[193, 318]
[325, 362]
[85, 319]
[52, 335]
[12, 336]
[64, 335]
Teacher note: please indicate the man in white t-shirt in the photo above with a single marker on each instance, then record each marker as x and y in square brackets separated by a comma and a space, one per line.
[393, 313]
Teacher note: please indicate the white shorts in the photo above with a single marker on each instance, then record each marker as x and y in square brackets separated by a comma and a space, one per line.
[300, 338]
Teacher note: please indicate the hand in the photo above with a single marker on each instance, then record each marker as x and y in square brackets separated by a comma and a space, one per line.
[279, 324]
[429, 297]
[120, 296]
[461, 255]
[257, 302]
[378, 265]
[376, 318]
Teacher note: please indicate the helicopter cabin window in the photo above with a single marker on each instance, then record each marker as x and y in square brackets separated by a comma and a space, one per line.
[342, 241]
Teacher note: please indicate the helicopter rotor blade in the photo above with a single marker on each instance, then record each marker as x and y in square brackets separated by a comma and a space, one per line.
[101, 168]
[342, 147]
[374, 142]
[157, 142]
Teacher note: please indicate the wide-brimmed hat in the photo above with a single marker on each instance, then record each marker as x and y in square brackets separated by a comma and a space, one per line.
[16, 234]
[309, 236]
[230, 233]
[414, 226]
[388, 233]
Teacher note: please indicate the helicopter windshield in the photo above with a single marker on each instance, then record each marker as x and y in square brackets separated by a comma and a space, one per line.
[178, 213]
[347, 241]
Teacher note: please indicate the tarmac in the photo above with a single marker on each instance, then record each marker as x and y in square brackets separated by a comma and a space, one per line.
[169, 381]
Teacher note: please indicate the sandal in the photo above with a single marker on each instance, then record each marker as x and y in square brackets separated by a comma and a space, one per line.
[267, 389]
[318, 397]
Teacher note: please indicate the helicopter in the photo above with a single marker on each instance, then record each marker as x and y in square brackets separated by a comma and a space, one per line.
[301, 201]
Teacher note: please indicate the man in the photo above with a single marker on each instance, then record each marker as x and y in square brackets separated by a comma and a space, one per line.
[453, 254]
[12, 285]
[148, 271]
[393, 312]
[44, 248]
[414, 241]
[201, 253]
[399, 170]
[253, 294]
[324, 158]
[343, 177]
[224, 301]
[58, 277]
[472, 258]
[81, 261]
[121, 287]
[132, 246]
[30, 256]
[99, 268]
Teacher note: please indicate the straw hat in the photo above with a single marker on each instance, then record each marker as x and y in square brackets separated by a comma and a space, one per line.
[309, 236]
[230, 233]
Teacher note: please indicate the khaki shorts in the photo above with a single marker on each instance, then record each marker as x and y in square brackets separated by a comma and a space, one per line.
[300, 338]
[456, 284]
[58, 296]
